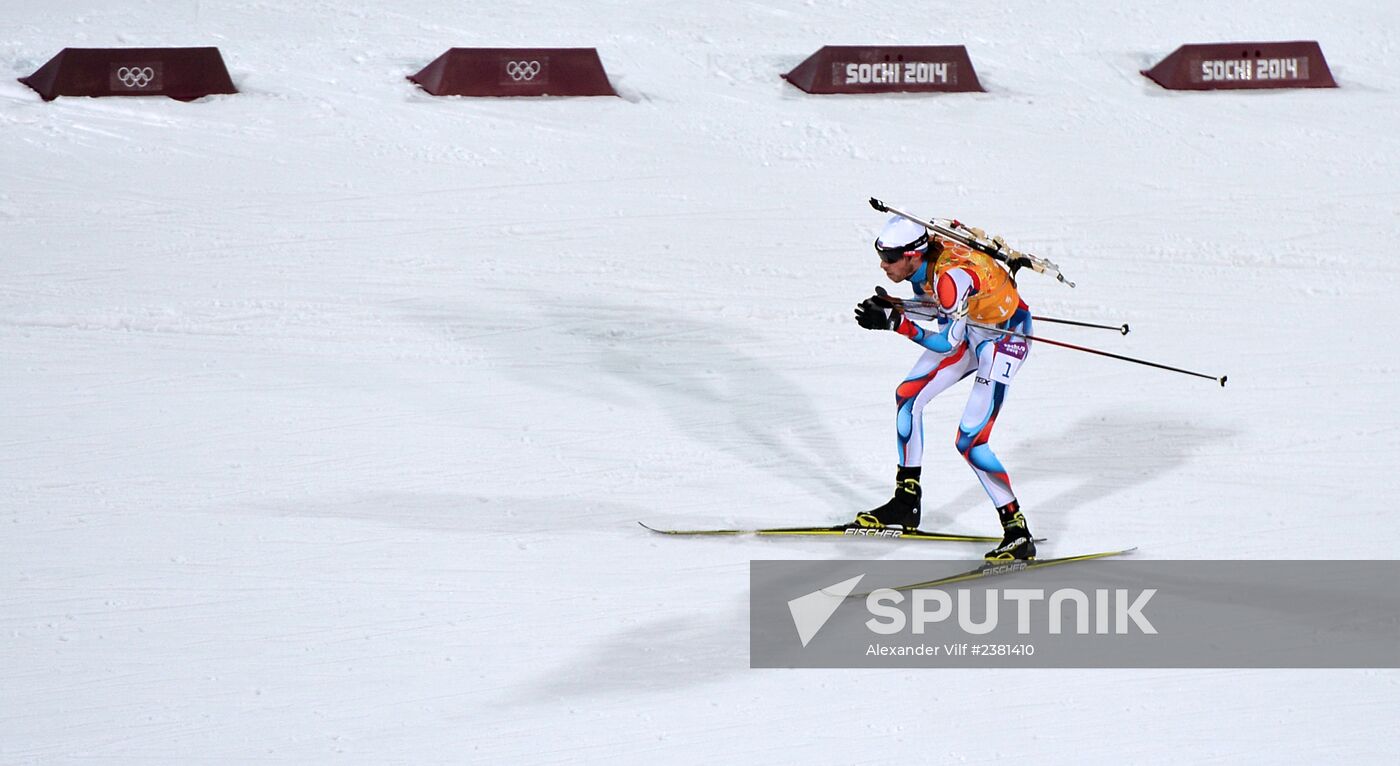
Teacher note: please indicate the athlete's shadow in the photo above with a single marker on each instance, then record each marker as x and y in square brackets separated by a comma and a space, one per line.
[714, 392]
[660, 656]
[1104, 454]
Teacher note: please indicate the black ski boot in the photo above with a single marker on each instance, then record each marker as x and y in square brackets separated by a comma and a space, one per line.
[1016, 542]
[902, 509]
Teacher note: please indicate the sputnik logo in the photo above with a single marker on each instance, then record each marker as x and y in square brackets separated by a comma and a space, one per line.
[811, 612]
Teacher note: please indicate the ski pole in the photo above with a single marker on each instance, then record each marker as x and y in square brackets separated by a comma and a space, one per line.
[921, 307]
[1123, 328]
[1220, 379]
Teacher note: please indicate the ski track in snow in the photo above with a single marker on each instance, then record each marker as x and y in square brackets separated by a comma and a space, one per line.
[329, 407]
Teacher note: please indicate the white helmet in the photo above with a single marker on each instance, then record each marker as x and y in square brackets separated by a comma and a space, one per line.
[901, 236]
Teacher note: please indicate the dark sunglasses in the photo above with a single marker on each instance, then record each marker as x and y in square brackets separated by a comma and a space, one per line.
[893, 254]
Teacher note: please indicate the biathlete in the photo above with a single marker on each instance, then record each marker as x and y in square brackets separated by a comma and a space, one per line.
[954, 285]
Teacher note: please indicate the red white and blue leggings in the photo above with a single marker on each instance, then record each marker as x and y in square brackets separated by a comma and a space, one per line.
[994, 358]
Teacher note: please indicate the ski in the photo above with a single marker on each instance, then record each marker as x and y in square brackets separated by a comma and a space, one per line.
[840, 530]
[998, 568]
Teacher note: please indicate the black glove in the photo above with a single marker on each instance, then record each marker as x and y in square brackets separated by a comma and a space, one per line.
[871, 316]
[883, 299]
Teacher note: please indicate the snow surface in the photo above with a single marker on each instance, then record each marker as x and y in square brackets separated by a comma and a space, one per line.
[327, 409]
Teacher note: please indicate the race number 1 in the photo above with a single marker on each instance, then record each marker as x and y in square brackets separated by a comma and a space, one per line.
[1010, 353]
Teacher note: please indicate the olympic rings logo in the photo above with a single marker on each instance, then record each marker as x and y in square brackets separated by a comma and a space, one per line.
[136, 77]
[522, 70]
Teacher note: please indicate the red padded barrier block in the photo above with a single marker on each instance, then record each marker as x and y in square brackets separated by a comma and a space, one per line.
[516, 72]
[1216, 66]
[180, 73]
[886, 69]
